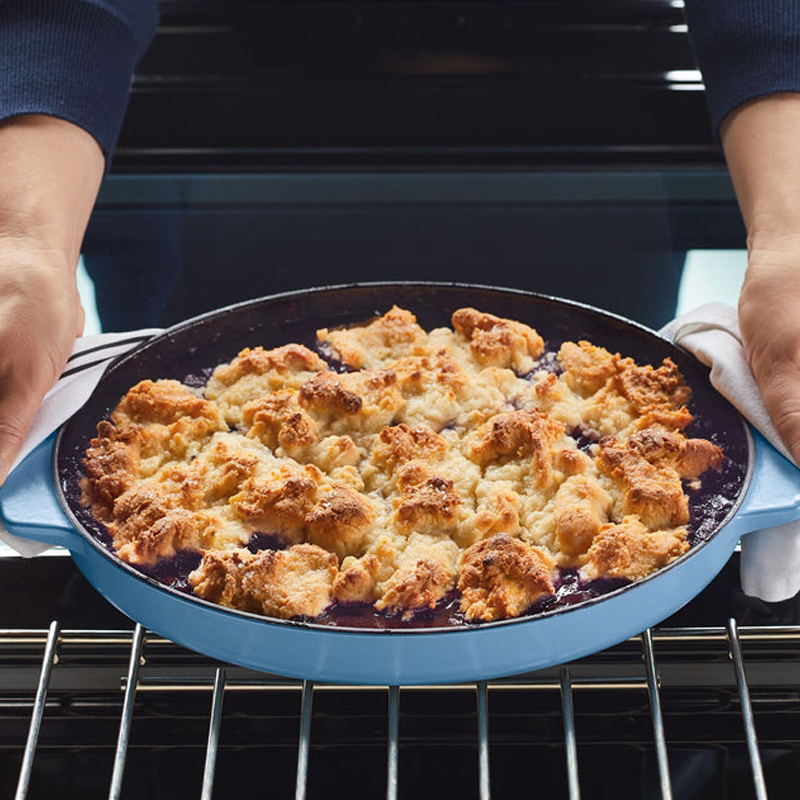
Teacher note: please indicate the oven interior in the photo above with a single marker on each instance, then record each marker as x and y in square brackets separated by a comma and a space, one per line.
[558, 147]
[701, 706]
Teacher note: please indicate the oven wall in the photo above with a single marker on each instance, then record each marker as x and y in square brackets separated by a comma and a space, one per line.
[561, 148]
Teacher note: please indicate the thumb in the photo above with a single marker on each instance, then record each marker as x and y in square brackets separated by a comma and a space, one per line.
[23, 385]
[17, 411]
[781, 392]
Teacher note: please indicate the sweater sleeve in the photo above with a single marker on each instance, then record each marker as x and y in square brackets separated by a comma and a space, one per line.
[73, 59]
[744, 49]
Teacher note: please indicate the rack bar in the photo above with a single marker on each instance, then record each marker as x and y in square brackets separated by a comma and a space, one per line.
[747, 711]
[483, 740]
[658, 718]
[394, 735]
[305, 740]
[213, 734]
[569, 735]
[48, 660]
[127, 713]
[14, 637]
[193, 683]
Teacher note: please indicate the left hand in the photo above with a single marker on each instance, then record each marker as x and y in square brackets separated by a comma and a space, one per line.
[769, 318]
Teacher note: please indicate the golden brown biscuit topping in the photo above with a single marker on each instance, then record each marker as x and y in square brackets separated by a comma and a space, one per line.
[460, 465]
[501, 577]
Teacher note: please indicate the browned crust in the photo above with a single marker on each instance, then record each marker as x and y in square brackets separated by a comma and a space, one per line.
[522, 434]
[653, 492]
[499, 515]
[398, 444]
[279, 503]
[690, 458]
[154, 417]
[339, 520]
[357, 580]
[648, 388]
[421, 584]
[396, 328]
[431, 504]
[278, 583]
[162, 538]
[325, 393]
[587, 368]
[111, 464]
[413, 372]
[495, 341]
[289, 358]
[629, 550]
[673, 419]
[232, 471]
[278, 420]
[580, 509]
[502, 577]
[166, 402]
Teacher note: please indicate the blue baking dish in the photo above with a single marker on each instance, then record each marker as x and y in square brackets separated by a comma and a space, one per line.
[39, 500]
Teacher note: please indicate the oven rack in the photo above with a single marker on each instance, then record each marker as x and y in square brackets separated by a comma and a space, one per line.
[750, 675]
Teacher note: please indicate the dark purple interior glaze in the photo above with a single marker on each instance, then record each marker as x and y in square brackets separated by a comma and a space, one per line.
[190, 351]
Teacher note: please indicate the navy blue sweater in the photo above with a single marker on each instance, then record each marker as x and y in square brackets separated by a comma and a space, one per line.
[74, 58]
[745, 49]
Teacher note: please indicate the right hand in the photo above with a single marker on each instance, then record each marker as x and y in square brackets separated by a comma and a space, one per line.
[40, 317]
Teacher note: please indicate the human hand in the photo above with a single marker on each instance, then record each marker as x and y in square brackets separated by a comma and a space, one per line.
[761, 139]
[51, 174]
[769, 318]
[40, 316]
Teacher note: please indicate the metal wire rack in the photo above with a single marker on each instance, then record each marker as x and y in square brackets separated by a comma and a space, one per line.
[667, 693]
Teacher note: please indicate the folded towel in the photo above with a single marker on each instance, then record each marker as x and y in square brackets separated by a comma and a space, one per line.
[770, 559]
[90, 357]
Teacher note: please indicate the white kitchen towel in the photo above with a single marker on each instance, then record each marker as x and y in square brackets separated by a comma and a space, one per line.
[770, 558]
[85, 366]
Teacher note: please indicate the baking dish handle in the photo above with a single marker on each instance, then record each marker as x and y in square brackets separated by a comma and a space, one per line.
[29, 507]
[773, 497]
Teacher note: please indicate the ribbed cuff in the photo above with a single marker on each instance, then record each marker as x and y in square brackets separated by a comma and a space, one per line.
[68, 59]
[745, 49]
